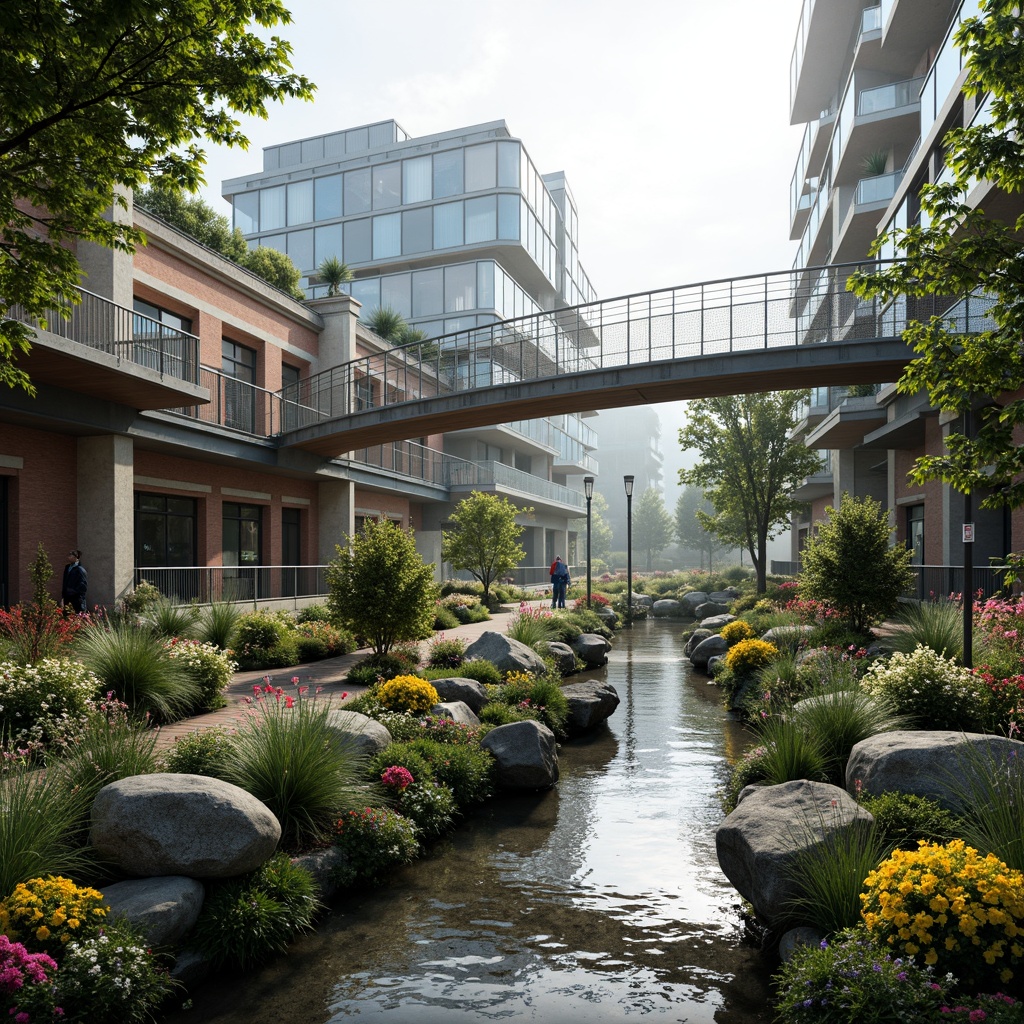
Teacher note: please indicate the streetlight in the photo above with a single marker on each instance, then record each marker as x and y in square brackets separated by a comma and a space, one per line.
[588, 490]
[628, 481]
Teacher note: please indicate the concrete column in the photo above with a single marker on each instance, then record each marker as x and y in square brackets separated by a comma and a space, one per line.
[337, 516]
[108, 272]
[338, 338]
[428, 546]
[106, 515]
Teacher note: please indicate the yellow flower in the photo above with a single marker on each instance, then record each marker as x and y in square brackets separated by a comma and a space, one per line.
[42, 933]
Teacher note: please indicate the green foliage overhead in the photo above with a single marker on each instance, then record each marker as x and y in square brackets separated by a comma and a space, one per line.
[380, 587]
[652, 525]
[850, 565]
[101, 96]
[955, 249]
[485, 538]
[748, 467]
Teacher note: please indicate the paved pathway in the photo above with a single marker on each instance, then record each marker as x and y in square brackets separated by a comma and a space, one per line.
[328, 676]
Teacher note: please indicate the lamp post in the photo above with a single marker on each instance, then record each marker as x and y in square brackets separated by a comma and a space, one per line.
[588, 490]
[628, 481]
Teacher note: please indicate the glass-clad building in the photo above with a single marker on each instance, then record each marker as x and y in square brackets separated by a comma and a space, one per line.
[453, 231]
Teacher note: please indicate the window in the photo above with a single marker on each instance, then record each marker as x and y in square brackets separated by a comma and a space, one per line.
[291, 550]
[238, 364]
[481, 167]
[427, 292]
[357, 241]
[358, 189]
[508, 165]
[300, 249]
[395, 291]
[416, 180]
[387, 185]
[460, 288]
[242, 546]
[367, 292]
[417, 230]
[448, 173]
[448, 225]
[290, 396]
[915, 534]
[272, 207]
[387, 236]
[300, 202]
[481, 219]
[247, 212]
[165, 531]
[159, 347]
[327, 196]
[327, 242]
[508, 217]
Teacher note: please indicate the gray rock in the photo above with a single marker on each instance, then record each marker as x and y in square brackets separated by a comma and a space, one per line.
[692, 601]
[710, 608]
[931, 764]
[163, 909]
[787, 636]
[667, 608]
[565, 657]
[695, 638]
[507, 654]
[716, 665]
[457, 711]
[168, 824]
[526, 755]
[607, 615]
[706, 650]
[469, 691]
[191, 968]
[760, 842]
[323, 865]
[716, 622]
[365, 735]
[643, 601]
[592, 649]
[796, 938]
[725, 597]
[591, 702]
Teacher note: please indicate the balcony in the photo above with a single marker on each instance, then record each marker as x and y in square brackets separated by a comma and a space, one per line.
[114, 354]
[819, 484]
[496, 476]
[860, 208]
[846, 425]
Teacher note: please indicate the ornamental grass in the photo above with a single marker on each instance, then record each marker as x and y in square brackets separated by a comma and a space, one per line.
[953, 908]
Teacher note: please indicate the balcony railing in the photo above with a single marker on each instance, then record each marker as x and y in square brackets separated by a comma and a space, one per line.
[497, 474]
[104, 326]
[878, 189]
[236, 584]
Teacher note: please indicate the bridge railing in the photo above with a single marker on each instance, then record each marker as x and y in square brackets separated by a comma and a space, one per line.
[788, 308]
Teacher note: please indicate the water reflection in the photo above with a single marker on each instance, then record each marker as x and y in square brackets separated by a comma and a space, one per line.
[594, 902]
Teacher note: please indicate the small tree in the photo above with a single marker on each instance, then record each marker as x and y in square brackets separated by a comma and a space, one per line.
[652, 525]
[851, 565]
[333, 273]
[381, 588]
[485, 540]
[275, 268]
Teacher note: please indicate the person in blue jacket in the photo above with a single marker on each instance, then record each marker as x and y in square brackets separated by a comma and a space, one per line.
[75, 584]
[559, 582]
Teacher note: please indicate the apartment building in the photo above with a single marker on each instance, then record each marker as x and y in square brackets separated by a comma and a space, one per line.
[453, 231]
[877, 88]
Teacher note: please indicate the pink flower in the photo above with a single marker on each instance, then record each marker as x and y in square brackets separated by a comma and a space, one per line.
[343, 696]
[268, 688]
[295, 680]
[256, 689]
[303, 690]
[397, 776]
[289, 702]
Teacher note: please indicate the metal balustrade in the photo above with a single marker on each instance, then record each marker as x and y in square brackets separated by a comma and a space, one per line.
[104, 326]
[235, 584]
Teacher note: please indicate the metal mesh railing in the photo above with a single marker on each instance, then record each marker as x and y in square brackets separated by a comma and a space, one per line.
[240, 584]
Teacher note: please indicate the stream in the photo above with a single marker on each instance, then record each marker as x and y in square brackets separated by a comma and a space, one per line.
[597, 901]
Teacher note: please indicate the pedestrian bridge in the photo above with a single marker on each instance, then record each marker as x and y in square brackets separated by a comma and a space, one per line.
[794, 329]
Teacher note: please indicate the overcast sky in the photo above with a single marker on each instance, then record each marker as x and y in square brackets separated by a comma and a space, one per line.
[670, 118]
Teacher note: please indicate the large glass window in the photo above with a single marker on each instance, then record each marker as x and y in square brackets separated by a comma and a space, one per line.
[915, 534]
[460, 288]
[508, 165]
[327, 242]
[291, 549]
[417, 230]
[272, 206]
[300, 249]
[387, 185]
[448, 225]
[485, 284]
[396, 292]
[154, 346]
[481, 167]
[358, 237]
[448, 173]
[327, 192]
[508, 217]
[300, 202]
[367, 292]
[427, 292]
[238, 364]
[387, 236]
[481, 219]
[242, 547]
[165, 530]
[247, 212]
[358, 190]
[416, 175]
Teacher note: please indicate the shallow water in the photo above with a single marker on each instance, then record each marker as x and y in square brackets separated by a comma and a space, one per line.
[597, 901]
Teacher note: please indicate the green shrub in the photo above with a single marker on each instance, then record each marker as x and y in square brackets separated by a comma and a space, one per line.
[217, 624]
[466, 769]
[538, 697]
[133, 664]
[314, 613]
[446, 652]
[315, 640]
[378, 668]
[532, 626]
[246, 920]
[567, 631]
[141, 598]
[588, 620]
[429, 805]
[401, 754]
[374, 840]
[263, 640]
[789, 753]
[289, 757]
[750, 768]
[444, 618]
[482, 671]
[902, 820]
[44, 703]
[497, 713]
[931, 691]
[204, 752]
[849, 980]
[168, 618]
[210, 668]
[937, 625]
[837, 634]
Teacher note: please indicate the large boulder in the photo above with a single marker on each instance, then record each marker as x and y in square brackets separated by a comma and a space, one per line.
[716, 622]
[565, 658]
[525, 754]
[607, 615]
[592, 649]
[507, 654]
[760, 843]
[365, 735]
[457, 712]
[710, 608]
[325, 866]
[695, 638]
[706, 650]
[469, 691]
[169, 824]
[164, 909]
[591, 702]
[668, 608]
[787, 636]
[692, 601]
[937, 765]
[643, 601]
[725, 597]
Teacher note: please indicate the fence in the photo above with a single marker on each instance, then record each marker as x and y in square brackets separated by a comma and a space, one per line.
[236, 584]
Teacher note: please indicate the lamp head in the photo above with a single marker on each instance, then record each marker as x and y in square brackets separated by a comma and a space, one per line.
[588, 487]
[628, 481]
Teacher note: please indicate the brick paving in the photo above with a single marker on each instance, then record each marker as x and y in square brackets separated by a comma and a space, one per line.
[328, 676]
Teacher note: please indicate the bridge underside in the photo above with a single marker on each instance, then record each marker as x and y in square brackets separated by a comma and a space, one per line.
[871, 361]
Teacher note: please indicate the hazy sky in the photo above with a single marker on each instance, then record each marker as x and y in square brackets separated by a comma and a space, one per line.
[670, 118]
